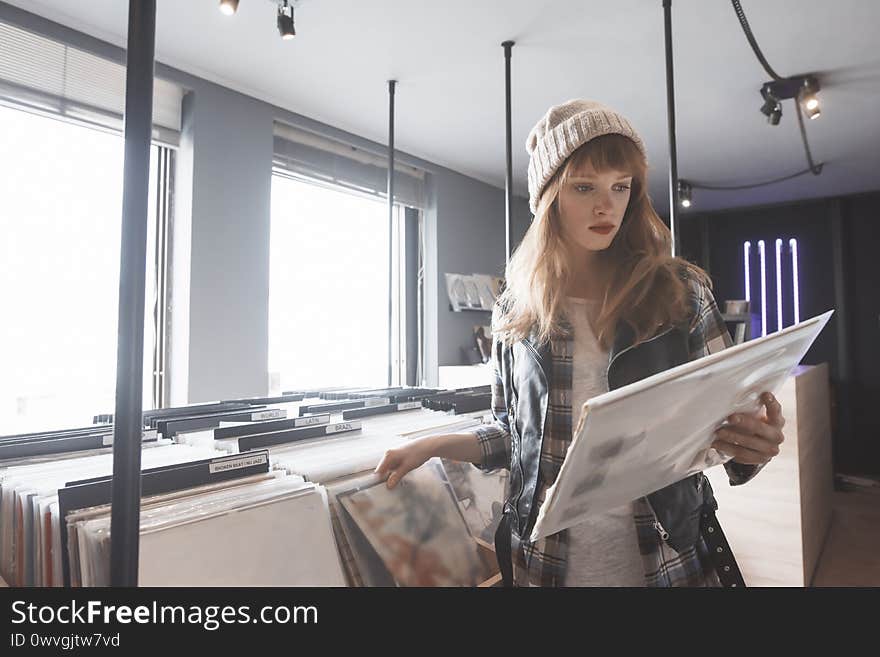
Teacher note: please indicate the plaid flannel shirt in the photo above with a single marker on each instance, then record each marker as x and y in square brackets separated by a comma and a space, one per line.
[543, 563]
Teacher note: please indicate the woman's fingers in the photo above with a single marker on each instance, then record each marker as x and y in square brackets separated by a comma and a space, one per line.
[751, 425]
[395, 465]
[767, 447]
[774, 410]
[397, 462]
[741, 454]
[388, 463]
[400, 470]
[752, 440]
[394, 478]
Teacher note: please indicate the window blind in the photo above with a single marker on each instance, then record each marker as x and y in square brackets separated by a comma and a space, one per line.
[45, 75]
[308, 155]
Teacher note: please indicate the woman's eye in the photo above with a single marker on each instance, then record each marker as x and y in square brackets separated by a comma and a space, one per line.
[589, 188]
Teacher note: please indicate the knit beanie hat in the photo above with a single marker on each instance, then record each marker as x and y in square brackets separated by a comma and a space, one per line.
[562, 130]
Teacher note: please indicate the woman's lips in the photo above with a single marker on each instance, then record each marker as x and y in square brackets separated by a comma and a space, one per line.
[603, 229]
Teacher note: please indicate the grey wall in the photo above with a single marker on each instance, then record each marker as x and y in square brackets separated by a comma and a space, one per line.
[522, 219]
[220, 257]
[228, 299]
[470, 240]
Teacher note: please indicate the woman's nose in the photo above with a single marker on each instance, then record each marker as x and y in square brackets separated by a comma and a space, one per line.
[602, 204]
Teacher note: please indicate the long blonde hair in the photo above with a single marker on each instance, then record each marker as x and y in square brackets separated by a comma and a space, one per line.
[647, 288]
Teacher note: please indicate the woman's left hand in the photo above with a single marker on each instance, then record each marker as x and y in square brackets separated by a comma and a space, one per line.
[752, 440]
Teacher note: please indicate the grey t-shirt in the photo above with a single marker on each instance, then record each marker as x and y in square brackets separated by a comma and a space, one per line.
[603, 550]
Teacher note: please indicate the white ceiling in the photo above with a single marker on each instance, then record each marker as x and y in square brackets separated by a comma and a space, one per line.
[449, 64]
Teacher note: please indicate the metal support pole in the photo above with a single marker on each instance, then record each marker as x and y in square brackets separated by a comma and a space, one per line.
[840, 239]
[391, 86]
[670, 115]
[128, 418]
[508, 178]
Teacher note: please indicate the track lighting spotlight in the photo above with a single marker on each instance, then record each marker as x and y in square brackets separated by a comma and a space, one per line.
[808, 98]
[284, 14]
[285, 20]
[684, 194]
[228, 7]
[771, 108]
[802, 88]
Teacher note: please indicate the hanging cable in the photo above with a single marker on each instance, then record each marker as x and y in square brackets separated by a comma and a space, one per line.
[737, 7]
[710, 186]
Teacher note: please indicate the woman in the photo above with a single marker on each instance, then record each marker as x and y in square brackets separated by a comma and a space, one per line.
[594, 302]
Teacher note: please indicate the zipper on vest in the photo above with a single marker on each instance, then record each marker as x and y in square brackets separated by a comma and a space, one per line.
[663, 533]
[658, 527]
[633, 346]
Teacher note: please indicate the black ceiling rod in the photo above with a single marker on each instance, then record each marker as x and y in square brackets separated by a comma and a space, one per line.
[391, 86]
[128, 418]
[508, 178]
[670, 116]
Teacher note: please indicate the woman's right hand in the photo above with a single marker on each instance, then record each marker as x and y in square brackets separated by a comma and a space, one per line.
[398, 461]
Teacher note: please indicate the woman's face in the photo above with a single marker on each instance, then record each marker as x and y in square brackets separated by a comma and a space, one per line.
[591, 207]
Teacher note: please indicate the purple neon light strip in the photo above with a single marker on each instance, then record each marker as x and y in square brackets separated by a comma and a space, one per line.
[792, 243]
[747, 251]
[778, 284]
[763, 287]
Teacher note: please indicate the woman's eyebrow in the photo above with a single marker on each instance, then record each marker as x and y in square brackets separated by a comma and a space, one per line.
[625, 176]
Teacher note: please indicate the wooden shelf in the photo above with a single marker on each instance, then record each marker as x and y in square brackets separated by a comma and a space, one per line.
[479, 310]
[487, 554]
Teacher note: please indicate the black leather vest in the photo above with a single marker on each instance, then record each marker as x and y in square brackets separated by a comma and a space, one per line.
[527, 373]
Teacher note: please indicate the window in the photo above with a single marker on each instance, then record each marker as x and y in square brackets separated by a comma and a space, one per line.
[60, 226]
[329, 287]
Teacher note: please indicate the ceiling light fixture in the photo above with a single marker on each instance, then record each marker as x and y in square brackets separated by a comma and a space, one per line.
[802, 88]
[228, 7]
[808, 97]
[285, 20]
[771, 108]
[684, 194]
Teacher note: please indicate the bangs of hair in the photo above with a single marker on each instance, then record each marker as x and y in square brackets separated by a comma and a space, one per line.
[607, 153]
[649, 288]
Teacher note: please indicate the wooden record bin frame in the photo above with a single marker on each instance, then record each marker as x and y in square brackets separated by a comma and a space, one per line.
[487, 555]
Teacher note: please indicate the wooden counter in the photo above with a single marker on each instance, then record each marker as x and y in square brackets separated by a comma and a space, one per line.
[777, 523]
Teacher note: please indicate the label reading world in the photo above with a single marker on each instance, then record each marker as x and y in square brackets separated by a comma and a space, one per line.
[272, 414]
